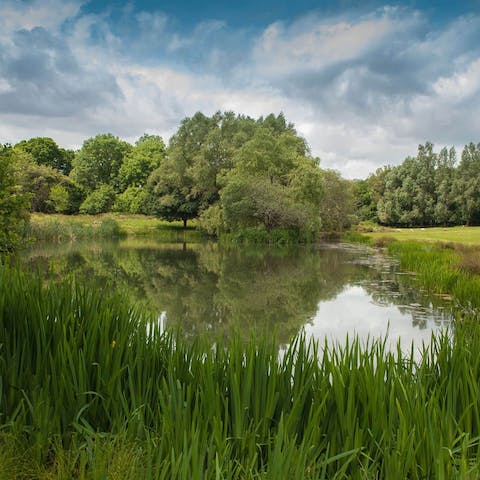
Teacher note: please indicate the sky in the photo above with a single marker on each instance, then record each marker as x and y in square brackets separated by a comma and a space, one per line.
[364, 82]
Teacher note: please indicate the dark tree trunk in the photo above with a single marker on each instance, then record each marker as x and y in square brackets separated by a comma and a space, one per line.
[184, 223]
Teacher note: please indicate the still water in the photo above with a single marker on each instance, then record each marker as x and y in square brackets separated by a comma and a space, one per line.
[328, 290]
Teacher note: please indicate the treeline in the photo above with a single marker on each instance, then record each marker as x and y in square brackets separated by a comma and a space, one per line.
[230, 172]
[426, 190]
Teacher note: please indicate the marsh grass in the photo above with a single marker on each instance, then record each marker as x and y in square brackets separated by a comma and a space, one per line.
[87, 391]
[443, 268]
[61, 228]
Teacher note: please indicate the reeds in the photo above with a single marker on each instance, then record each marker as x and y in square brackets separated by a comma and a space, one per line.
[58, 231]
[87, 391]
[442, 268]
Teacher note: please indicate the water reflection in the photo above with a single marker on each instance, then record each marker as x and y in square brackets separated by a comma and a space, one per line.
[329, 289]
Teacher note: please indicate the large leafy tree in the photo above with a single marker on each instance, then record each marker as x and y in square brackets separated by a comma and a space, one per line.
[98, 162]
[173, 191]
[49, 190]
[46, 152]
[146, 156]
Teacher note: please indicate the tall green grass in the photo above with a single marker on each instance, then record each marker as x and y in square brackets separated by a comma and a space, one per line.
[91, 388]
[441, 268]
[61, 228]
[57, 231]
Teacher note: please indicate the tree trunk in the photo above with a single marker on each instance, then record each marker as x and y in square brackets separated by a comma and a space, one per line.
[184, 223]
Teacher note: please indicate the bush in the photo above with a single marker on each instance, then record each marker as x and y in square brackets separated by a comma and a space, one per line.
[132, 200]
[14, 205]
[261, 236]
[100, 200]
[211, 220]
[109, 228]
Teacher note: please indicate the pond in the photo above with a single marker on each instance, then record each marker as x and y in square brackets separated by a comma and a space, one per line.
[329, 290]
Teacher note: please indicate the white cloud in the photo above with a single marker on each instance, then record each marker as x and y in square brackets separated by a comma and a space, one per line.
[363, 92]
[50, 14]
[460, 85]
[282, 49]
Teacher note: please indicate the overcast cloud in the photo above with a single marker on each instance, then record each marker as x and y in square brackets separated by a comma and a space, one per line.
[363, 89]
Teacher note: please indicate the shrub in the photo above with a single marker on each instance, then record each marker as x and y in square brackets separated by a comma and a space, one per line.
[14, 205]
[132, 200]
[100, 200]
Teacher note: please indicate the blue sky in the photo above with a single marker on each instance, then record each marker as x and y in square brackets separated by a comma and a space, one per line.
[364, 81]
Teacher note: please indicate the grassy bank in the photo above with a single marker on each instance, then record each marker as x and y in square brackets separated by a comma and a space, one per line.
[91, 388]
[56, 227]
[445, 268]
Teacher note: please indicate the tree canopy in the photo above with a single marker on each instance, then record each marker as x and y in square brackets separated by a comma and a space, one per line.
[425, 190]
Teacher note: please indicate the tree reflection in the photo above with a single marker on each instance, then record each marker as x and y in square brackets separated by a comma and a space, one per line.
[206, 288]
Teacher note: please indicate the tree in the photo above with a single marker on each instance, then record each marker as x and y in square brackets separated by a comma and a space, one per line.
[173, 192]
[46, 152]
[252, 201]
[336, 208]
[14, 205]
[98, 162]
[169, 194]
[146, 156]
[38, 181]
[467, 185]
[446, 211]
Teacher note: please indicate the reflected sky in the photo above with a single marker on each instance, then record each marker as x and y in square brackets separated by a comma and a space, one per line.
[356, 313]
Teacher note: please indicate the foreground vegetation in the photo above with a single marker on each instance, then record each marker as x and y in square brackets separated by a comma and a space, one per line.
[91, 388]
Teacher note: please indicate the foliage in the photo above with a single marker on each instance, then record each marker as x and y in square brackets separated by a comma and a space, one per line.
[467, 185]
[211, 220]
[234, 173]
[49, 190]
[147, 155]
[251, 201]
[336, 208]
[168, 194]
[98, 162]
[14, 204]
[132, 200]
[426, 190]
[59, 199]
[99, 387]
[174, 189]
[100, 200]
[46, 152]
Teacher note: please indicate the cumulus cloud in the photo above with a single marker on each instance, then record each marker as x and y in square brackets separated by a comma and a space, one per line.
[41, 77]
[49, 14]
[364, 90]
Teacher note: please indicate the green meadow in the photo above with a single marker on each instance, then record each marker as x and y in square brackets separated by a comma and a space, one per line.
[462, 234]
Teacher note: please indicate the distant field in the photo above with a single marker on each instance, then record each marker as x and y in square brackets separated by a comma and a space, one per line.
[465, 235]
